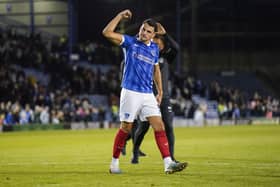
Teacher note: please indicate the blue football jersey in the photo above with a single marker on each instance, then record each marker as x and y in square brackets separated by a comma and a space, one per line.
[140, 59]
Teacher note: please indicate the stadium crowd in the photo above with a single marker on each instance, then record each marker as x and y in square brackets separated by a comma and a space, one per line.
[25, 99]
[231, 102]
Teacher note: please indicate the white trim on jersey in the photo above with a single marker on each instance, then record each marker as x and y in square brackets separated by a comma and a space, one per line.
[122, 40]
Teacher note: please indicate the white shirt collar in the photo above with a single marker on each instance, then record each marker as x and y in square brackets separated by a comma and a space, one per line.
[146, 44]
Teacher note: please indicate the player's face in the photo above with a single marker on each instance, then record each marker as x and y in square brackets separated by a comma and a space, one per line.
[146, 33]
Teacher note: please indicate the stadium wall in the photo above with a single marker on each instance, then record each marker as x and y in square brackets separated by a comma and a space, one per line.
[50, 16]
[178, 122]
[181, 122]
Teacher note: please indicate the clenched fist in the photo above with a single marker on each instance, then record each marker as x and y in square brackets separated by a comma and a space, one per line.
[125, 14]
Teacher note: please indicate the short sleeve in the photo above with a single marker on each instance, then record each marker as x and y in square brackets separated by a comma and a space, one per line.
[127, 41]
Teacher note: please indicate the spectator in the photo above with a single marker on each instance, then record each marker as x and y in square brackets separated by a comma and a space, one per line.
[45, 116]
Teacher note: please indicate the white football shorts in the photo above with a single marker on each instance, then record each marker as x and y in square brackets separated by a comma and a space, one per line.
[135, 104]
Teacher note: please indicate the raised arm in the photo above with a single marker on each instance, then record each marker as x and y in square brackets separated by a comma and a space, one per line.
[109, 30]
[171, 47]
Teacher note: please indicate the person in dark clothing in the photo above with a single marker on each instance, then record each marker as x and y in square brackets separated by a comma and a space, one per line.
[168, 51]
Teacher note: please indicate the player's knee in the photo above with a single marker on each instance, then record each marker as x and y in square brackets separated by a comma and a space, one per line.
[125, 126]
[156, 123]
[159, 126]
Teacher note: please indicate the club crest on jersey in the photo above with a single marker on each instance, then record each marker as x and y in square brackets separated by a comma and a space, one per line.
[126, 115]
[153, 52]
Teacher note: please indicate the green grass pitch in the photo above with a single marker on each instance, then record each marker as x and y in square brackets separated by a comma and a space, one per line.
[218, 156]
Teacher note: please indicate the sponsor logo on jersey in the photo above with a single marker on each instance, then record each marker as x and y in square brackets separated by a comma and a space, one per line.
[143, 58]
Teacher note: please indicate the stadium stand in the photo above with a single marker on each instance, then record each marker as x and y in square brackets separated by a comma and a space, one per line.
[85, 88]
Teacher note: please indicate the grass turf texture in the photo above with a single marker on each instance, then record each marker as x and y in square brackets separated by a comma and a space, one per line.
[217, 156]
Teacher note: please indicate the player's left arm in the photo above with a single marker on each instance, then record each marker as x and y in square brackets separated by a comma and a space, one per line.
[158, 83]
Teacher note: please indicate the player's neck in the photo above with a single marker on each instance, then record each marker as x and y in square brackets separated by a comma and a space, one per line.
[147, 42]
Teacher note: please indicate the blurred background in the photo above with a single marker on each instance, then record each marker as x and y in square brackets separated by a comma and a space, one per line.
[56, 68]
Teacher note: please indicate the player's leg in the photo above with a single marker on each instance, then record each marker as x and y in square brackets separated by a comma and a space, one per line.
[160, 135]
[130, 136]
[151, 112]
[140, 132]
[169, 165]
[126, 140]
[129, 107]
[119, 143]
[167, 117]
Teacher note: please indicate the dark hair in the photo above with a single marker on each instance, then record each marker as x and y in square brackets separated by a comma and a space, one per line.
[151, 22]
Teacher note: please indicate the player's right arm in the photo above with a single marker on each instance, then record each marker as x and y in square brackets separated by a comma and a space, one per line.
[109, 30]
